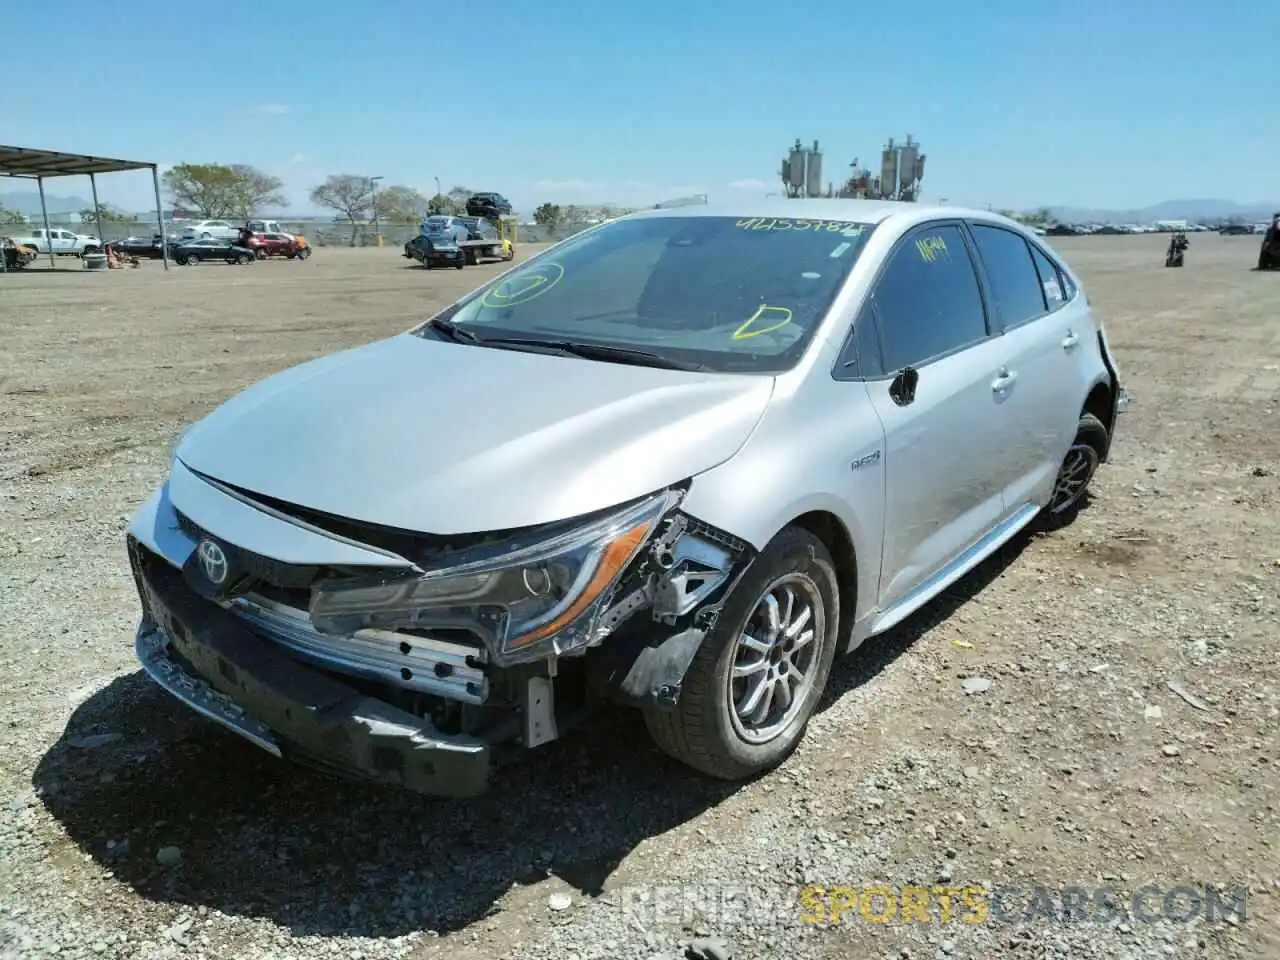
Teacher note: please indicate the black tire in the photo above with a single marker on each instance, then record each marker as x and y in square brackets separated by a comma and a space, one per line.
[192, 260]
[1078, 469]
[701, 730]
[244, 259]
[457, 266]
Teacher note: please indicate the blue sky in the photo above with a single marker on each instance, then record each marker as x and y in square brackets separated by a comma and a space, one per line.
[1103, 103]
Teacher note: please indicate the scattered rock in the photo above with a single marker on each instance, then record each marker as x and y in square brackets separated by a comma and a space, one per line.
[560, 901]
[1170, 750]
[709, 948]
[168, 856]
[976, 685]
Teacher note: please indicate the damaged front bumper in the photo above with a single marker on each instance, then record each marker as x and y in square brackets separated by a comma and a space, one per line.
[272, 655]
[208, 658]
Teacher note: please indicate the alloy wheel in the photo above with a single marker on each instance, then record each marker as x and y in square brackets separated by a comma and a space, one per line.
[774, 658]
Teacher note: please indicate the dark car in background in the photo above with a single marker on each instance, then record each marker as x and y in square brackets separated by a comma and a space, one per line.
[152, 249]
[488, 205]
[191, 252]
[1235, 230]
[437, 248]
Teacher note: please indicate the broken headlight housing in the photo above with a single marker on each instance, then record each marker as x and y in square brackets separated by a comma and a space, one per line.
[527, 602]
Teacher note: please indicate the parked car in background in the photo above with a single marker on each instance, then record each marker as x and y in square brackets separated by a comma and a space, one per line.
[488, 205]
[704, 451]
[16, 255]
[62, 242]
[267, 245]
[1235, 230]
[142, 247]
[267, 226]
[192, 252]
[209, 230]
[437, 247]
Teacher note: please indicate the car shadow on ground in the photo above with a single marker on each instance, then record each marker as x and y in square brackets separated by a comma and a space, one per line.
[135, 771]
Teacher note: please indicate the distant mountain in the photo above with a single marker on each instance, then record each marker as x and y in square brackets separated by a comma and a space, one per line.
[1194, 210]
[29, 203]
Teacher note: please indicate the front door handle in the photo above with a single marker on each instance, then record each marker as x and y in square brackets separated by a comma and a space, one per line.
[1070, 340]
[1003, 381]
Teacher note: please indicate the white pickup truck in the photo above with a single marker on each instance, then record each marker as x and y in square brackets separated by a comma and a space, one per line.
[60, 241]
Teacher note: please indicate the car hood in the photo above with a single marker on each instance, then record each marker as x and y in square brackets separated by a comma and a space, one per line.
[446, 438]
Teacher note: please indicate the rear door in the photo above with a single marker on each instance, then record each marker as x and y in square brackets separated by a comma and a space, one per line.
[1044, 335]
[945, 466]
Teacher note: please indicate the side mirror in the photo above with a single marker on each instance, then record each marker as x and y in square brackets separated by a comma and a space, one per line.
[902, 390]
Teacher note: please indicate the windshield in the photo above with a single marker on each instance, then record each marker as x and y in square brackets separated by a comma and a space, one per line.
[733, 294]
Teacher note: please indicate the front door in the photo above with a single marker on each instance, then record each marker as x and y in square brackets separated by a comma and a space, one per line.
[941, 402]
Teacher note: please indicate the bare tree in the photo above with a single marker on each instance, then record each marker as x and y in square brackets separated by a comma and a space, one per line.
[349, 195]
[255, 190]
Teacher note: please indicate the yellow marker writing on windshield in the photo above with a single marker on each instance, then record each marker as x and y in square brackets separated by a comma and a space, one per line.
[524, 287]
[775, 318]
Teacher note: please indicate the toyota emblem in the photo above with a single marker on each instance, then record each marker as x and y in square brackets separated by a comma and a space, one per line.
[213, 561]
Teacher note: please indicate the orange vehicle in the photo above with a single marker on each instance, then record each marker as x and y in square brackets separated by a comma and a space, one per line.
[17, 256]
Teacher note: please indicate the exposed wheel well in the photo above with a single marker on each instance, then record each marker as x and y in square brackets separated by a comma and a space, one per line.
[828, 528]
[1099, 403]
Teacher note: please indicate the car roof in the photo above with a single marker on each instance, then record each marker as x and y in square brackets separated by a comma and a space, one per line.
[856, 211]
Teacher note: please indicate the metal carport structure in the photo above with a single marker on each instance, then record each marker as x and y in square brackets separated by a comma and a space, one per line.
[39, 165]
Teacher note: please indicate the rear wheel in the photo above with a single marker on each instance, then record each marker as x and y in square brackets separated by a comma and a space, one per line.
[244, 258]
[752, 686]
[1071, 487]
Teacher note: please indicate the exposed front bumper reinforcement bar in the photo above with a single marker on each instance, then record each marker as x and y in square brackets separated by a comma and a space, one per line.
[246, 684]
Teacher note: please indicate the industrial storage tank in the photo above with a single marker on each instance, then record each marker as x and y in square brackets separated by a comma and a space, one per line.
[813, 172]
[889, 170]
[909, 153]
[796, 168]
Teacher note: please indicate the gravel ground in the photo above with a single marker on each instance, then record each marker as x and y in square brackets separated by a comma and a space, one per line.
[130, 828]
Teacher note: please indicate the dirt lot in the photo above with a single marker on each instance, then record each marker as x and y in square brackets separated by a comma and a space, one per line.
[1079, 766]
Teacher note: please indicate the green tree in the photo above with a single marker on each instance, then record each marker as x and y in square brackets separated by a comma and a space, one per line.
[87, 215]
[442, 205]
[11, 216]
[207, 188]
[349, 195]
[548, 215]
[401, 205]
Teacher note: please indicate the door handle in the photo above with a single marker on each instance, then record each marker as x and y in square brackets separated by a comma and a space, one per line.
[1003, 381]
[1070, 340]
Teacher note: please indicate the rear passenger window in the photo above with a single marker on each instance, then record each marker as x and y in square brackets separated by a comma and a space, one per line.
[1015, 283]
[927, 299]
[1053, 282]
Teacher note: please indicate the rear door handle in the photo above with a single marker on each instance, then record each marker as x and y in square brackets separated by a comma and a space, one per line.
[1003, 381]
[1070, 340]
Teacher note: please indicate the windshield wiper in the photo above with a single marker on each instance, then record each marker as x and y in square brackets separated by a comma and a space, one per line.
[597, 351]
[452, 330]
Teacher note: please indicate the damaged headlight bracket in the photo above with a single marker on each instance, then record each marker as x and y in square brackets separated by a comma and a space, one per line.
[530, 601]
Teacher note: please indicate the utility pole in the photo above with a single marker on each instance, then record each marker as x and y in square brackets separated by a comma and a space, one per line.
[377, 226]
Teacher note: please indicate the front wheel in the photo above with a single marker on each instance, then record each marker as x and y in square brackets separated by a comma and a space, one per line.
[192, 260]
[1078, 468]
[244, 258]
[754, 683]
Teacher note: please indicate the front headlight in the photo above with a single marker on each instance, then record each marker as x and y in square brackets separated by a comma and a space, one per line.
[529, 602]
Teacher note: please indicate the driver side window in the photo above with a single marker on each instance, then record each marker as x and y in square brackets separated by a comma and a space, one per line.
[927, 300]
